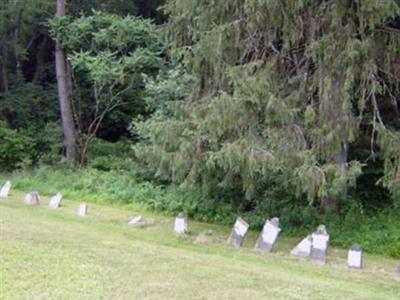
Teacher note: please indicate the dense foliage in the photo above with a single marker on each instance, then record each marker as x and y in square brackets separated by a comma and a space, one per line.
[293, 101]
[28, 92]
[114, 55]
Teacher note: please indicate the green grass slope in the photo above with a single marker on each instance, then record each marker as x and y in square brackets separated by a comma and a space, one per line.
[53, 254]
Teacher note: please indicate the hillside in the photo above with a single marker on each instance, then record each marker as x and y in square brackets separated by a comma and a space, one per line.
[48, 254]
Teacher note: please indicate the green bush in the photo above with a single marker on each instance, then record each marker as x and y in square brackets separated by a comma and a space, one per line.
[378, 233]
[16, 148]
[107, 156]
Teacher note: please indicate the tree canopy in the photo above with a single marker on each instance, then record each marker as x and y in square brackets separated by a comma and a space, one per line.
[293, 98]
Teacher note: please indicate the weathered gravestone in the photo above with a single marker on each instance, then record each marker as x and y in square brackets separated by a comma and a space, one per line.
[181, 224]
[135, 220]
[398, 271]
[239, 232]
[55, 201]
[141, 222]
[355, 257]
[268, 236]
[303, 249]
[5, 189]
[32, 198]
[320, 243]
[82, 212]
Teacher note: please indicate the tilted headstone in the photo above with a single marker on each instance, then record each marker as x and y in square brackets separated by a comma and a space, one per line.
[181, 224]
[5, 190]
[55, 201]
[141, 222]
[135, 220]
[82, 212]
[320, 243]
[268, 236]
[303, 249]
[32, 198]
[239, 232]
[355, 257]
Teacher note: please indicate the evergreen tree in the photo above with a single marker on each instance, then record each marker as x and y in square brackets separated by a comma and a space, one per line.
[285, 91]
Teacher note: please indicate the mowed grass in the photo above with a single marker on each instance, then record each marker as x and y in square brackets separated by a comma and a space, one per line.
[54, 254]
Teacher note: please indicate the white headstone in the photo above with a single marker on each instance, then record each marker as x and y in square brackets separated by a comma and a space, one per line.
[239, 232]
[320, 243]
[32, 198]
[55, 201]
[303, 249]
[135, 220]
[82, 210]
[398, 271]
[268, 236]
[5, 190]
[181, 224]
[355, 257]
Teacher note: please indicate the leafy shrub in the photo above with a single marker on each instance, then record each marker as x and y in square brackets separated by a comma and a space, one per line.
[378, 233]
[16, 148]
[28, 105]
[49, 140]
[107, 156]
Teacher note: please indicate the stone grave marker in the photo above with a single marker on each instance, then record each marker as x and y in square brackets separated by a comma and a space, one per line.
[135, 220]
[5, 189]
[320, 243]
[398, 271]
[32, 198]
[55, 201]
[82, 212]
[303, 249]
[239, 233]
[141, 222]
[355, 257]
[268, 236]
[181, 224]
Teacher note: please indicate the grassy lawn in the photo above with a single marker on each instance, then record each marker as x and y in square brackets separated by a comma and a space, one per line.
[53, 254]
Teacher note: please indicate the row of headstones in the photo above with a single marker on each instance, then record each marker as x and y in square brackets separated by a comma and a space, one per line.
[314, 246]
[33, 198]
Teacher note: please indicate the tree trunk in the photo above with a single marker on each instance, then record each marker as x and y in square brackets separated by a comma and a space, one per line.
[336, 118]
[3, 70]
[64, 93]
[40, 59]
[17, 25]
[330, 203]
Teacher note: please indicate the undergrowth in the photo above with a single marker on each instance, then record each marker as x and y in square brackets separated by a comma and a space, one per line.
[378, 233]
